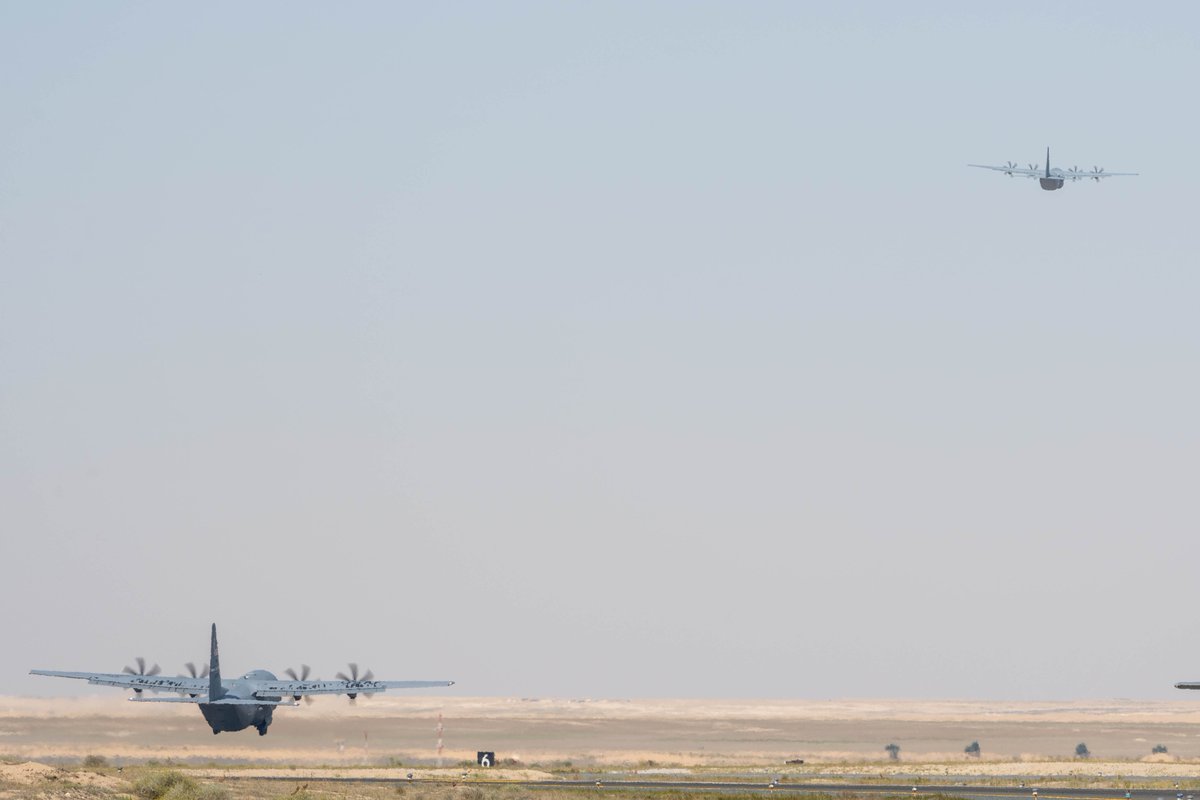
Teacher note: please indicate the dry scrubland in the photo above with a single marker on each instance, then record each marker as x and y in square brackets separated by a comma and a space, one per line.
[544, 738]
[36, 781]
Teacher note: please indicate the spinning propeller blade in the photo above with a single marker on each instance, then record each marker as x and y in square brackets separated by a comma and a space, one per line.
[141, 670]
[193, 672]
[354, 676]
[303, 676]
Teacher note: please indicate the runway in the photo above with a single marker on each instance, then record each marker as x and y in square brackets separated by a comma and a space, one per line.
[781, 787]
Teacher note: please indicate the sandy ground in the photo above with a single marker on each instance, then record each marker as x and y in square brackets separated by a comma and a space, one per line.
[833, 737]
[30, 774]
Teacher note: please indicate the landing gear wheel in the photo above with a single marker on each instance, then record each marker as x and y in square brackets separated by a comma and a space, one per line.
[216, 731]
[262, 729]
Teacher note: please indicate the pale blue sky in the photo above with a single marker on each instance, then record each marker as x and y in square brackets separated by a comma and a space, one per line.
[609, 349]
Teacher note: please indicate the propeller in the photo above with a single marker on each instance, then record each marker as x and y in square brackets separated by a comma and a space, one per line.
[191, 668]
[303, 676]
[354, 676]
[141, 670]
[1098, 175]
[1011, 165]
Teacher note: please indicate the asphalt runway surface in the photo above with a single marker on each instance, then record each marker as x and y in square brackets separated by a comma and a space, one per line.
[785, 787]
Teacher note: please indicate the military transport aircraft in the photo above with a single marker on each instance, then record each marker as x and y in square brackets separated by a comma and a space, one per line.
[237, 703]
[1052, 179]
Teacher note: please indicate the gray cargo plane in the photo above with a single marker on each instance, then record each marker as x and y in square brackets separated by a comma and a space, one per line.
[1052, 179]
[237, 703]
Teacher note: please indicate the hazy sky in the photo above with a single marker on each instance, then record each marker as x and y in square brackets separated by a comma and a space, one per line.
[602, 349]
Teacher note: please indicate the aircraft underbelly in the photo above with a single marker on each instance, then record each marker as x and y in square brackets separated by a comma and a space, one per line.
[1050, 184]
[234, 718]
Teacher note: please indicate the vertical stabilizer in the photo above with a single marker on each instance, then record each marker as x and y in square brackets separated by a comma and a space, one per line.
[215, 690]
[1047, 162]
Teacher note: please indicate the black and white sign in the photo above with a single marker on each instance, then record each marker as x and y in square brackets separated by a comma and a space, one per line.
[485, 759]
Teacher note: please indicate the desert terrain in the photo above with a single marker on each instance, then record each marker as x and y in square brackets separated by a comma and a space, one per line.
[832, 737]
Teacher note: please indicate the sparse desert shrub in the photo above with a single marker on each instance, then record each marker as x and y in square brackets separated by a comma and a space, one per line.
[1159, 748]
[204, 791]
[893, 751]
[972, 749]
[1081, 750]
[95, 762]
[154, 785]
[172, 785]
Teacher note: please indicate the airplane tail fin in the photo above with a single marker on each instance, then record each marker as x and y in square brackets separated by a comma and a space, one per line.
[215, 690]
[1047, 162]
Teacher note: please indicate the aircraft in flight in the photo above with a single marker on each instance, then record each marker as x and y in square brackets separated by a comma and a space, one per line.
[234, 704]
[1049, 178]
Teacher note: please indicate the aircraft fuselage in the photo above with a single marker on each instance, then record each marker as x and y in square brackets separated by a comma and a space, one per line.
[236, 718]
[229, 717]
[1050, 184]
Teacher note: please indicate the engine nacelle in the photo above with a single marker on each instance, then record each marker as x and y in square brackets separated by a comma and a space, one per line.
[1050, 184]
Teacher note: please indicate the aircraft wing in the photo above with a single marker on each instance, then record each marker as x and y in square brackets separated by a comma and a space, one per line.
[1029, 173]
[224, 701]
[1188, 685]
[153, 683]
[205, 701]
[1095, 174]
[298, 688]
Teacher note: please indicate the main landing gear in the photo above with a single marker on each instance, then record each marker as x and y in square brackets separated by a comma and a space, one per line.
[261, 728]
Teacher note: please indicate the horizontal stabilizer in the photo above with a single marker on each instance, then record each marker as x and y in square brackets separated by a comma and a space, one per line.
[140, 699]
[224, 701]
[1188, 685]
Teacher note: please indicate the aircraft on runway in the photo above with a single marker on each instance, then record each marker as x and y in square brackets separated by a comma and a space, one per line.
[1052, 179]
[237, 703]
